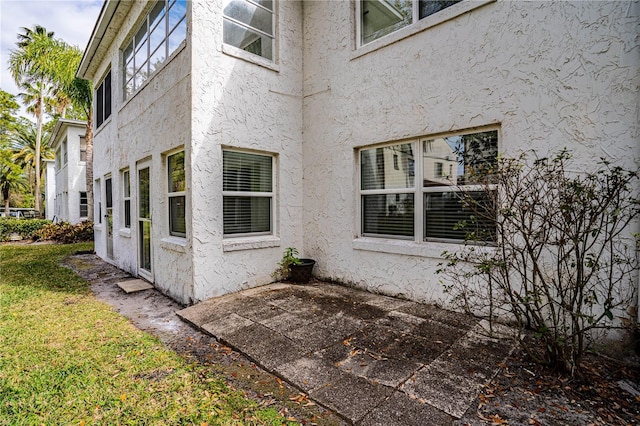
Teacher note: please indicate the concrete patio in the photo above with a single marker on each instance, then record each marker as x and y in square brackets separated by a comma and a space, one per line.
[373, 359]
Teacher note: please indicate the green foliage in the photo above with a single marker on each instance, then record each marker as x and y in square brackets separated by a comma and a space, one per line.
[26, 228]
[66, 233]
[564, 259]
[8, 110]
[289, 257]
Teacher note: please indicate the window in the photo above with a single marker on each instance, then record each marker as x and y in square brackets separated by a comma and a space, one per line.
[159, 35]
[83, 148]
[381, 17]
[177, 197]
[98, 202]
[58, 159]
[249, 25]
[247, 193]
[84, 205]
[126, 197]
[447, 206]
[103, 100]
[65, 156]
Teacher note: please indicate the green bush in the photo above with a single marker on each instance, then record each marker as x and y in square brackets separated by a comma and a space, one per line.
[64, 232]
[26, 228]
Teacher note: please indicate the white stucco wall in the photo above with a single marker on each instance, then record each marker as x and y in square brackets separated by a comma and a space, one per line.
[70, 178]
[550, 74]
[153, 121]
[50, 189]
[242, 104]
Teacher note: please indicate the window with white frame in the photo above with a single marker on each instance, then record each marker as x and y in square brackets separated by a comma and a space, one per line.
[83, 148]
[417, 200]
[249, 25]
[84, 205]
[126, 197]
[177, 194]
[381, 17]
[65, 154]
[159, 35]
[103, 100]
[97, 199]
[248, 197]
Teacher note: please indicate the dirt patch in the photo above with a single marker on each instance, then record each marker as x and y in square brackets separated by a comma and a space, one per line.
[606, 392]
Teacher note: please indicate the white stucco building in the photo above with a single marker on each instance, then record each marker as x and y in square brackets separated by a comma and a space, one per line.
[229, 130]
[67, 194]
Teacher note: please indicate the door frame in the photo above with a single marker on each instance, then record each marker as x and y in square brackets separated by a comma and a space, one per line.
[147, 274]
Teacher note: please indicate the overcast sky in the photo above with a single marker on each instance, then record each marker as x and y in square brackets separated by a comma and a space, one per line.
[71, 21]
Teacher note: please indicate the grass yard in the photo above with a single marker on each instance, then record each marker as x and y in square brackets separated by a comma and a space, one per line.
[66, 358]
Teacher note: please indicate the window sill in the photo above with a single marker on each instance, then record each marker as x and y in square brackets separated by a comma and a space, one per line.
[250, 57]
[125, 232]
[422, 25]
[250, 243]
[409, 248]
[176, 244]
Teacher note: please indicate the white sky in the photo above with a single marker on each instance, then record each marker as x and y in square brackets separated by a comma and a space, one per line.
[71, 21]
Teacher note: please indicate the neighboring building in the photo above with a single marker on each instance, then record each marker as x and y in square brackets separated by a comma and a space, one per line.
[50, 189]
[69, 203]
[228, 131]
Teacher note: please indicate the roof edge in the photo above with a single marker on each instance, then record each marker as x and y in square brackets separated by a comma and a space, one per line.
[97, 36]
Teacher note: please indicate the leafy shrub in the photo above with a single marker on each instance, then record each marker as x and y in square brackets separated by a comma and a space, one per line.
[26, 228]
[66, 233]
[564, 261]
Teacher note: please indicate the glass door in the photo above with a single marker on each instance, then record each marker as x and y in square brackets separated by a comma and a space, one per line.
[145, 267]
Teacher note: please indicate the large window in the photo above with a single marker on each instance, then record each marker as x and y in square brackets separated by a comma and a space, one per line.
[429, 189]
[83, 148]
[247, 193]
[177, 195]
[381, 17]
[126, 197]
[249, 25]
[159, 35]
[103, 100]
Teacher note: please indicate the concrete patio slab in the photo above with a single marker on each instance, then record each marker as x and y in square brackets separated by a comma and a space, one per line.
[373, 359]
[132, 286]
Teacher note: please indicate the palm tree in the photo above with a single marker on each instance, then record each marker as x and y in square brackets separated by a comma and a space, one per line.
[11, 178]
[29, 65]
[24, 140]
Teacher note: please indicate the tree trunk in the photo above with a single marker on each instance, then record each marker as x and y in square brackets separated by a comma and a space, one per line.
[89, 163]
[37, 153]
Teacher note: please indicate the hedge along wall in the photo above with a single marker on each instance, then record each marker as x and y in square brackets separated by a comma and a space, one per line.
[26, 228]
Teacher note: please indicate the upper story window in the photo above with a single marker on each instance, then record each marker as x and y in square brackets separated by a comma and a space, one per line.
[247, 193]
[249, 25]
[103, 100]
[83, 148]
[427, 199]
[381, 17]
[159, 35]
[65, 154]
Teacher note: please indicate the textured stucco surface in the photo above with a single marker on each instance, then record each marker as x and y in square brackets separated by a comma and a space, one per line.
[241, 104]
[551, 74]
[152, 122]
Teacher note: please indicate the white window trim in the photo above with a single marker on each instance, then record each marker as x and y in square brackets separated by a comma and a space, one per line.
[417, 245]
[170, 195]
[95, 96]
[168, 58]
[251, 240]
[236, 52]
[126, 198]
[417, 26]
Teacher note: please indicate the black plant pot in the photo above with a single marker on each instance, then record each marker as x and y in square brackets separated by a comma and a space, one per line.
[301, 273]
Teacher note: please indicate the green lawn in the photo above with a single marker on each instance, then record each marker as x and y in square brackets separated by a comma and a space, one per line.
[66, 358]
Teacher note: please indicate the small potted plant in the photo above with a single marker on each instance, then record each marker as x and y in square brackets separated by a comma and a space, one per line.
[292, 268]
